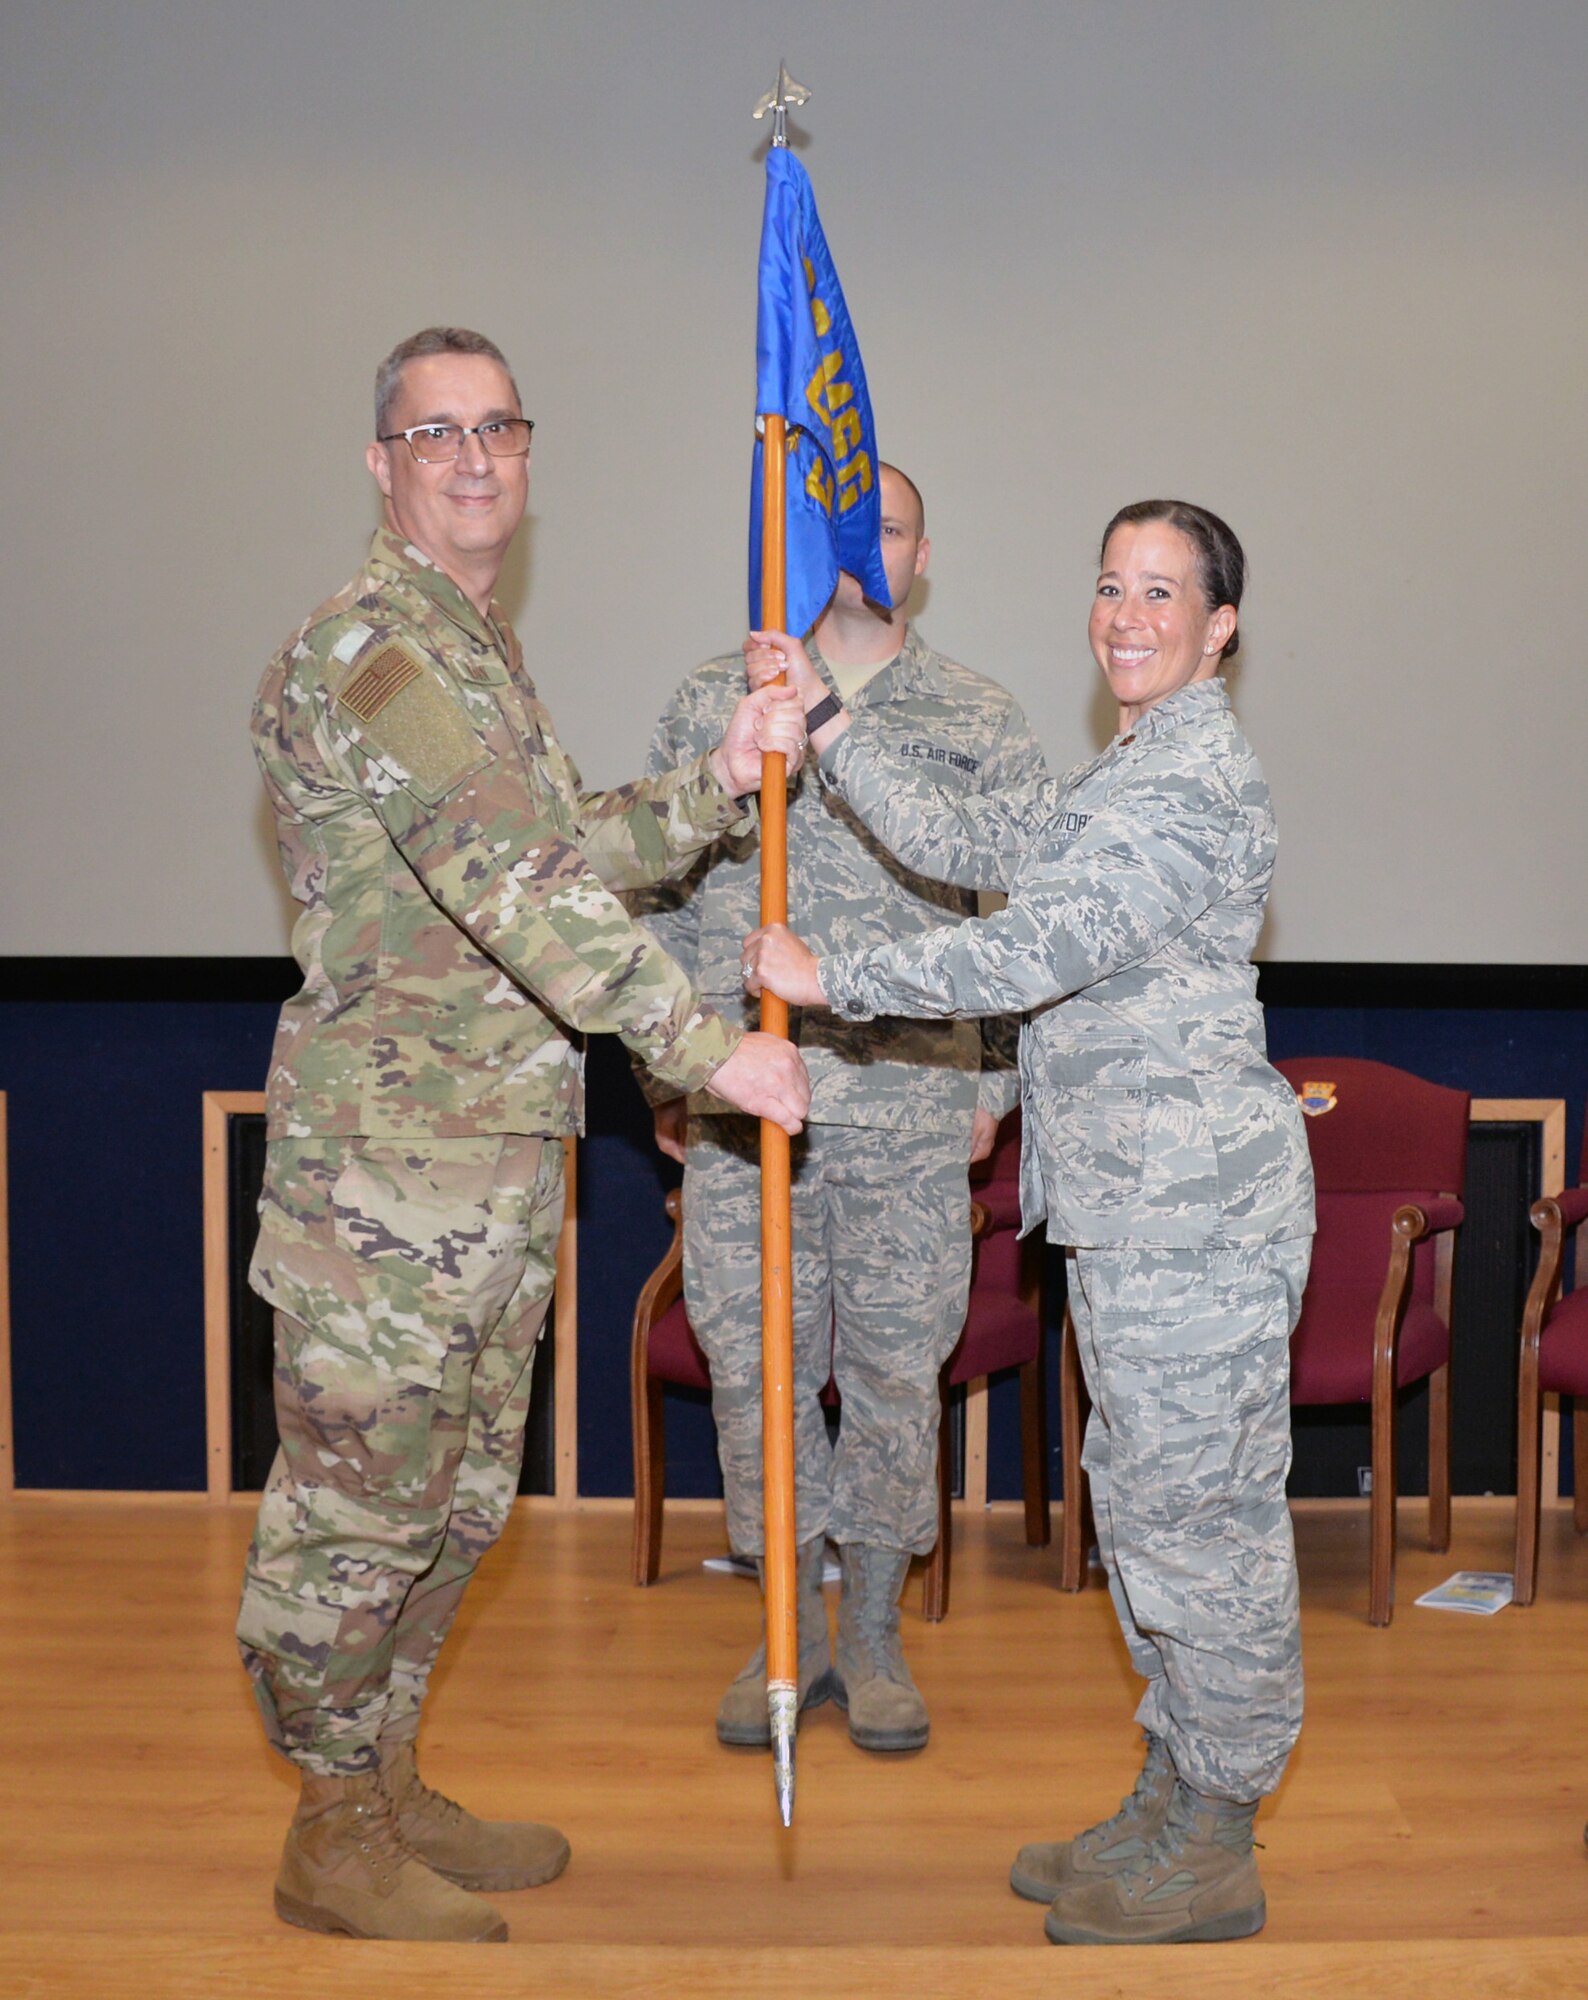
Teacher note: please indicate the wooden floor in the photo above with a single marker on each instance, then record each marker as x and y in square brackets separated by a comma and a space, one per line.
[1428, 1838]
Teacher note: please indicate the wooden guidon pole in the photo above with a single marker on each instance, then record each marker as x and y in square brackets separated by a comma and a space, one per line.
[777, 1278]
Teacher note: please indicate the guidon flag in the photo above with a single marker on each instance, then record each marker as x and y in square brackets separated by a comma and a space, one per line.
[809, 372]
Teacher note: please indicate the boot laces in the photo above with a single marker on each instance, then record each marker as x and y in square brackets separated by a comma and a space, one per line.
[874, 1611]
[878, 1633]
[378, 1837]
[1167, 1850]
[435, 1805]
[1134, 1806]
[415, 1796]
[1180, 1829]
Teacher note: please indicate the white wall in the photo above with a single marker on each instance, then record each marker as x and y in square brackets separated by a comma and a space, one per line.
[1321, 266]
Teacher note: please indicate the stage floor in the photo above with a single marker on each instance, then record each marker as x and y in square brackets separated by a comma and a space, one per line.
[1429, 1834]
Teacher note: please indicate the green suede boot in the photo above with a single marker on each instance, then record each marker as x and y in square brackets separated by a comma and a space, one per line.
[1195, 1883]
[742, 1718]
[1044, 1867]
[871, 1680]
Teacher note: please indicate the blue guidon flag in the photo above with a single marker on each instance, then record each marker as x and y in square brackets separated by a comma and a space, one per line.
[808, 371]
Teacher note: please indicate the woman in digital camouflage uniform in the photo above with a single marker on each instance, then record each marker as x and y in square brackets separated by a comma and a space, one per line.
[1166, 1155]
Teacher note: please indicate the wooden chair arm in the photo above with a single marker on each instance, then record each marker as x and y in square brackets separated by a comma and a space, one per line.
[1407, 1227]
[666, 1282]
[1548, 1219]
[1430, 1218]
[980, 1221]
[1571, 1205]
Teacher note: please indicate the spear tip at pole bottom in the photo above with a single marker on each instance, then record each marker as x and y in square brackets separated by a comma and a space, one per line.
[782, 1705]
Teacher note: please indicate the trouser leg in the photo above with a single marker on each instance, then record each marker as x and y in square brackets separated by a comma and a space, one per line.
[1145, 1657]
[1191, 1355]
[354, 1511]
[722, 1291]
[485, 1483]
[390, 1269]
[898, 1233]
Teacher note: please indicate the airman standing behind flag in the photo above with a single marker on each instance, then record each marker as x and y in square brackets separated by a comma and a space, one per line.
[459, 925]
[881, 1206]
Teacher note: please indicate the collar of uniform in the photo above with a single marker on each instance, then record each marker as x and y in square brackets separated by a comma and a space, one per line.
[913, 669]
[392, 560]
[1187, 704]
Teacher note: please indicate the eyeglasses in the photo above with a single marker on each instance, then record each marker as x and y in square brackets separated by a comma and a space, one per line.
[434, 444]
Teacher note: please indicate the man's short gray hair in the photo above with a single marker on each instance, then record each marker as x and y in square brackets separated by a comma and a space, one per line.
[433, 340]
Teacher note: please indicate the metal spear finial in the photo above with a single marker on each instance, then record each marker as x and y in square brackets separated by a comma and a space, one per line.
[778, 101]
[782, 1702]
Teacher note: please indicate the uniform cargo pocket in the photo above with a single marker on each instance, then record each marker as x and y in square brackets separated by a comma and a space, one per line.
[1096, 1137]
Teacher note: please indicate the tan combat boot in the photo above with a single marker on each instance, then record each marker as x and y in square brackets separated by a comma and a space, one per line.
[1044, 1867]
[742, 1718]
[345, 1868]
[1195, 1883]
[871, 1680]
[474, 1853]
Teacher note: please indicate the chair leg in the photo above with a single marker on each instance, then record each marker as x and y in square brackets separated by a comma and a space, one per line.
[1439, 1459]
[1072, 1424]
[1381, 1512]
[1579, 1464]
[650, 1481]
[1034, 1450]
[1524, 1571]
[934, 1580]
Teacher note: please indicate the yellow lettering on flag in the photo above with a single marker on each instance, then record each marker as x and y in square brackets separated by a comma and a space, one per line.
[824, 396]
[821, 318]
[819, 485]
[847, 433]
[855, 479]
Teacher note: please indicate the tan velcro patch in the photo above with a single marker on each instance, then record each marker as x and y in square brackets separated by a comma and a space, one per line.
[409, 717]
[368, 692]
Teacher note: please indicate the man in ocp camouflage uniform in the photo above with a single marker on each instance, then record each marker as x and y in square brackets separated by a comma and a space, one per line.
[881, 1207]
[459, 921]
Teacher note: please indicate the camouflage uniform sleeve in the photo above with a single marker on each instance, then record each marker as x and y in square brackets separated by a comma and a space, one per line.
[645, 832]
[998, 1086]
[1015, 761]
[670, 910]
[969, 840]
[493, 856]
[1143, 869]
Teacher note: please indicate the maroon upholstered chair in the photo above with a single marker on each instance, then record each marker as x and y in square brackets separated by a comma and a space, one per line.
[1003, 1329]
[663, 1349]
[1389, 1152]
[1554, 1357]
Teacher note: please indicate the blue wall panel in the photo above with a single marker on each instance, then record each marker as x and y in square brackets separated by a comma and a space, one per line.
[107, 1259]
[623, 1233]
[106, 1181]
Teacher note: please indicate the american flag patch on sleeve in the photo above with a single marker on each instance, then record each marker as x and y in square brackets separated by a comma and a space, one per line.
[369, 690]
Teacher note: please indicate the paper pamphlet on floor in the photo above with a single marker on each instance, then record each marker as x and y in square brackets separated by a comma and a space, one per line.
[1478, 1590]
